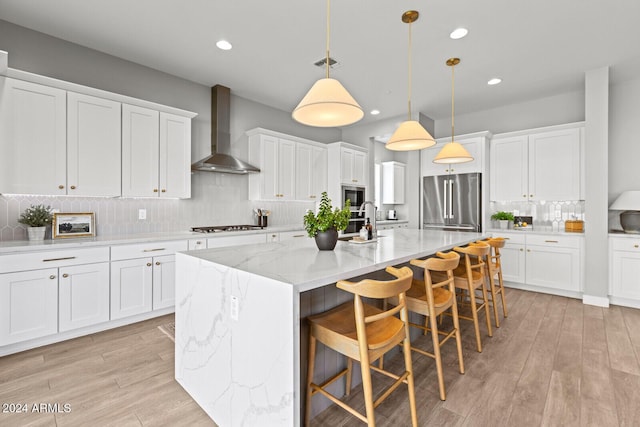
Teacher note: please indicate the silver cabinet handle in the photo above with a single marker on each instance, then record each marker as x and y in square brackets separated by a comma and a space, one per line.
[551, 241]
[52, 276]
[65, 275]
[157, 262]
[149, 264]
[59, 259]
[299, 235]
[154, 250]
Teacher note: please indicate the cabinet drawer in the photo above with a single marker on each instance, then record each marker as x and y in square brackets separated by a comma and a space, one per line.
[518, 237]
[144, 250]
[49, 259]
[626, 244]
[554, 241]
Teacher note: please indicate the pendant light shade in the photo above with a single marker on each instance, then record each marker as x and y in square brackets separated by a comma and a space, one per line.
[327, 104]
[453, 152]
[410, 135]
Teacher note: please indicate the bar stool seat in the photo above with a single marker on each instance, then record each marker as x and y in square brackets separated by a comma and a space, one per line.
[364, 333]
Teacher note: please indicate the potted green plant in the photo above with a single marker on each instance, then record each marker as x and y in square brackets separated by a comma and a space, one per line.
[324, 225]
[36, 218]
[503, 218]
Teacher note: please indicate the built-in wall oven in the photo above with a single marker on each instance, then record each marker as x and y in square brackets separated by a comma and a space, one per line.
[356, 196]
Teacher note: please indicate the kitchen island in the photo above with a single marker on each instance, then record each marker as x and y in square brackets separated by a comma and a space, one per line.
[240, 342]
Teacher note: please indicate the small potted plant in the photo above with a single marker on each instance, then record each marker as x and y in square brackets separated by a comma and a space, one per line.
[36, 218]
[503, 218]
[324, 225]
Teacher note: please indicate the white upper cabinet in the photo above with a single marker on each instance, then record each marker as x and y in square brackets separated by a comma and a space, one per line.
[311, 172]
[474, 143]
[66, 139]
[353, 167]
[393, 175]
[33, 138]
[291, 168]
[276, 159]
[93, 146]
[156, 153]
[540, 165]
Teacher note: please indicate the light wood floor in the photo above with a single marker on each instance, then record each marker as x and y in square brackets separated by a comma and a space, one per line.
[554, 361]
[122, 377]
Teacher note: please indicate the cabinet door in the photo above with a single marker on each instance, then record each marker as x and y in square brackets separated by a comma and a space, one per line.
[625, 270]
[33, 138]
[28, 305]
[140, 152]
[554, 165]
[164, 281]
[552, 267]
[346, 166]
[268, 168]
[84, 295]
[509, 169]
[474, 148]
[93, 146]
[360, 168]
[291, 235]
[246, 239]
[318, 172]
[304, 172]
[286, 170]
[131, 287]
[513, 262]
[175, 156]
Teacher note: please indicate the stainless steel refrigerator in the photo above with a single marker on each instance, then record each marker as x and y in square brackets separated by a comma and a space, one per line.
[452, 202]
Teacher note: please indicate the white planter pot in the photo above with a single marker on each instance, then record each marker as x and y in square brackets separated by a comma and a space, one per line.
[504, 224]
[36, 233]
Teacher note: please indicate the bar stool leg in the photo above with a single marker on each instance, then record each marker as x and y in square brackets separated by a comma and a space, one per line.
[311, 360]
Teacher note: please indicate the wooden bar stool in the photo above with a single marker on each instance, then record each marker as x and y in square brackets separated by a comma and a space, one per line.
[364, 333]
[431, 300]
[494, 275]
[470, 277]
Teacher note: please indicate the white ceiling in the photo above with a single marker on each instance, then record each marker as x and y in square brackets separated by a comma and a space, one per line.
[539, 48]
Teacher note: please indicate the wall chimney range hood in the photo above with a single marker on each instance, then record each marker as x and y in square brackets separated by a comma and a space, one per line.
[220, 160]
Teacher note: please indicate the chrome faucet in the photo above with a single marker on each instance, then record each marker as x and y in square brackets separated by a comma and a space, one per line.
[375, 208]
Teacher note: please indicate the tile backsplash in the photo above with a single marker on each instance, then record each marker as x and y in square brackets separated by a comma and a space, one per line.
[217, 199]
[547, 215]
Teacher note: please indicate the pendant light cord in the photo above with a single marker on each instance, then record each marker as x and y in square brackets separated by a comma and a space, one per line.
[452, 101]
[328, 20]
[409, 78]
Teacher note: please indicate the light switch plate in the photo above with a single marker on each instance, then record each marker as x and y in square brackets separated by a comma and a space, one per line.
[235, 307]
[142, 214]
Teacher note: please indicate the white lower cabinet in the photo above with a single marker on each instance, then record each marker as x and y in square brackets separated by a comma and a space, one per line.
[624, 280]
[546, 261]
[143, 277]
[290, 235]
[245, 239]
[28, 305]
[43, 293]
[84, 295]
[391, 226]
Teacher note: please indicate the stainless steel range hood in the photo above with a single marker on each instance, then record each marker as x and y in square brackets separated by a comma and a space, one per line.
[220, 160]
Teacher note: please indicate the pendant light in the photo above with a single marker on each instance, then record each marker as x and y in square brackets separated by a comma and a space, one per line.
[453, 152]
[410, 135]
[327, 104]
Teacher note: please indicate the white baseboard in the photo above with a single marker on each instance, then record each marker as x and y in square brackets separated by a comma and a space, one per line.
[597, 301]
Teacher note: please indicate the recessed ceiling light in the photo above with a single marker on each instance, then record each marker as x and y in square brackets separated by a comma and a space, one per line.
[494, 81]
[224, 45]
[375, 112]
[458, 33]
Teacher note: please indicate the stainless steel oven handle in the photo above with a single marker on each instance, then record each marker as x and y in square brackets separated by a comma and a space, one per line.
[450, 199]
[444, 200]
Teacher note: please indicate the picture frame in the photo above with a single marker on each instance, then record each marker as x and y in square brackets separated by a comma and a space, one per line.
[67, 225]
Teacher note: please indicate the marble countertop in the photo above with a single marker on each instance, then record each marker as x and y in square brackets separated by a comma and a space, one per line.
[13, 246]
[299, 263]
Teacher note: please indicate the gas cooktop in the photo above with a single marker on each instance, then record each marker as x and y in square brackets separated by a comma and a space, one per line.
[220, 228]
